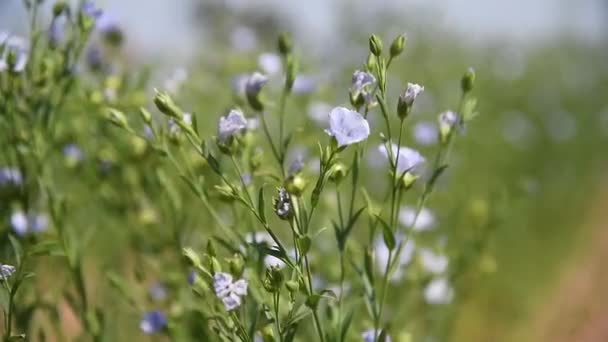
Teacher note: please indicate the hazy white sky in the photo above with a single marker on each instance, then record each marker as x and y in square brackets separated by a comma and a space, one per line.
[161, 26]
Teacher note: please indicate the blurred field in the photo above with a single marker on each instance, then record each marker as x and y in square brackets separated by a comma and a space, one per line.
[535, 158]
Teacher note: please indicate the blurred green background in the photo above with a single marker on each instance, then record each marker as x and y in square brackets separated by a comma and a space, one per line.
[536, 155]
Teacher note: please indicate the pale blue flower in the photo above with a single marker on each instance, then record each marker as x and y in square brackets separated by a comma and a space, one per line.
[426, 218]
[450, 120]
[270, 63]
[192, 277]
[95, 57]
[6, 271]
[16, 46]
[410, 94]
[362, 85]
[158, 292]
[73, 152]
[407, 159]
[91, 10]
[23, 224]
[433, 262]
[425, 133]
[153, 322]
[230, 125]
[381, 253]
[303, 85]
[10, 176]
[229, 292]
[439, 292]
[254, 84]
[361, 80]
[347, 126]
[371, 335]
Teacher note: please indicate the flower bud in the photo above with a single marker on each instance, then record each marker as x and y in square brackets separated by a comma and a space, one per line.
[165, 104]
[226, 193]
[408, 180]
[407, 98]
[370, 64]
[375, 45]
[191, 257]
[215, 265]
[285, 44]
[369, 264]
[448, 122]
[295, 184]
[118, 118]
[468, 80]
[292, 71]
[145, 115]
[253, 88]
[59, 8]
[292, 286]
[268, 334]
[337, 173]
[398, 45]
[273, 280]
[211, 248]
[255, 159]
[237, 265]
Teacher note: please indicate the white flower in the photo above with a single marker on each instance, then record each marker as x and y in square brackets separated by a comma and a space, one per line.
[229, 292]
[231, 124]
[439, 291]
[426, 219]
[371, 335]
[254, 84]
[18, 47]
[433, 262]
[381, 252]
[409, 160]
[411, 92]
[425, 133]
[23, 224]
[347, 126]
[449, 119]
[270, 63]
[6, 271]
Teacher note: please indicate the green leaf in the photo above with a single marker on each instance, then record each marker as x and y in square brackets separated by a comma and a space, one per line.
[387, 234]
[313, 300]
[345, 324]
[17, 249]
[436, 174]
[304, 243]
[301, 313]
[213, 163]
[261, 204]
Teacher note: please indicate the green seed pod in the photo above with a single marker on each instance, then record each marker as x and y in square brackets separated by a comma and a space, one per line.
[375, 45]
[165, 104]
[145, 115]
[285, 44]
[274, 279]
[398, 45]
[237, 265]
[295, 184]
[468, 80]
[292, 286]
[59, 8]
